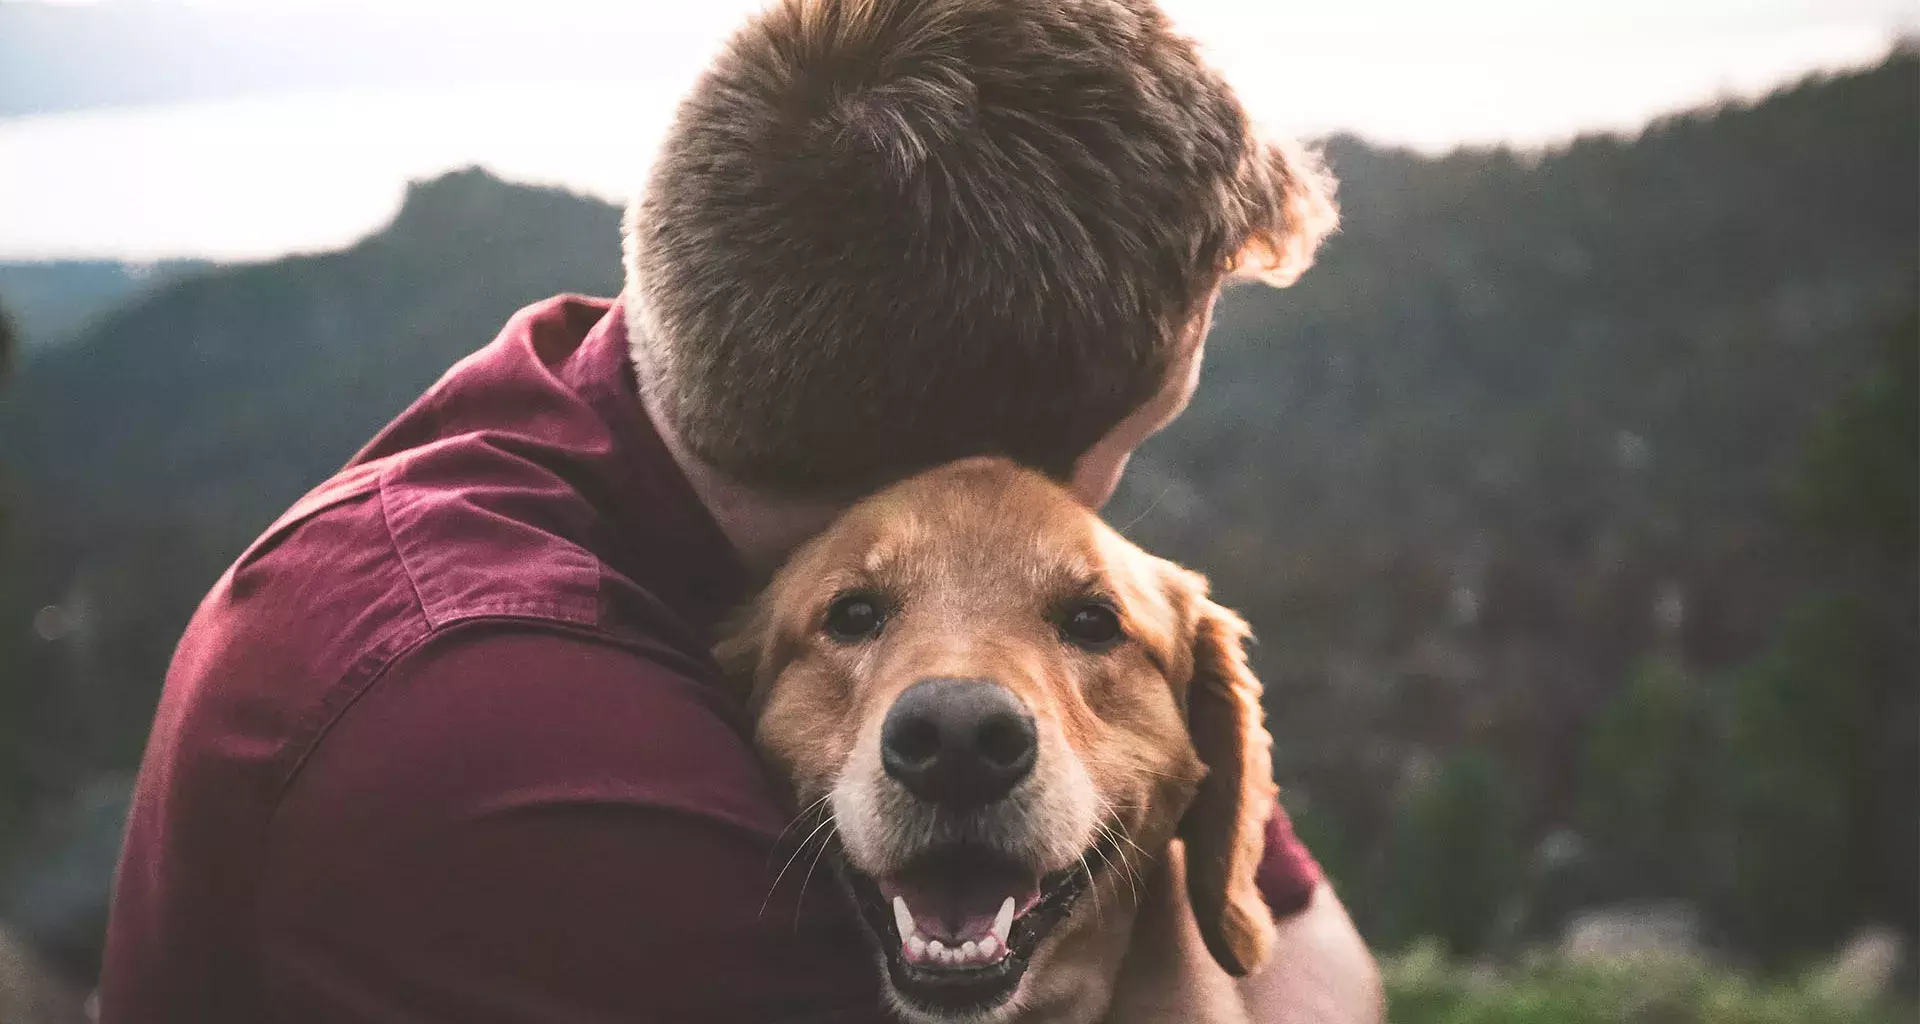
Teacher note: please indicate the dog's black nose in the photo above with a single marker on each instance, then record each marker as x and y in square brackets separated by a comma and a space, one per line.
[958, 742]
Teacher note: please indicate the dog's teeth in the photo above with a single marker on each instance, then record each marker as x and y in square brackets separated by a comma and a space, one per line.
[1003, 921]
[917, 946]
[902, 917]
[969, 949]
[935, 948]
[988, 945]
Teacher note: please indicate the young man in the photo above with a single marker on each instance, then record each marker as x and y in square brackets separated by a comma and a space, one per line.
[446, 744]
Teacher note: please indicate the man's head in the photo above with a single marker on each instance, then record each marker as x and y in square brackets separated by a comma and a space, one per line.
[885, 234]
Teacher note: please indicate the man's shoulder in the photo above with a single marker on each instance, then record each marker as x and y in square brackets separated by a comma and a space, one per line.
[421, 540]
[494, 718]
[500, 638]
[377, 559]
[521, 815]
[480, 531]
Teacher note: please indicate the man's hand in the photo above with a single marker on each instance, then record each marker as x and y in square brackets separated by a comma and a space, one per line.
[1320, 971]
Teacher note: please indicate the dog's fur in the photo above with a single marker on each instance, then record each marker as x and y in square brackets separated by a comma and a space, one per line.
[1152, 752]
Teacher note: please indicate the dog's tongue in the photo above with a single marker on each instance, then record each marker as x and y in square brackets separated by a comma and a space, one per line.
[959, 901]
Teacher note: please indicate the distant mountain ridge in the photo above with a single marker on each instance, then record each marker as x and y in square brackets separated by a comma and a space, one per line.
[202, 391]
[52, 300]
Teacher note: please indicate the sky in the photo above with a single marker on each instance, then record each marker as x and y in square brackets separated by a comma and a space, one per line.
[576, 93]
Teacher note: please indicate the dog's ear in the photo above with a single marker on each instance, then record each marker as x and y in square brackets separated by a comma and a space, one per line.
[1225, 826]
[745, 650]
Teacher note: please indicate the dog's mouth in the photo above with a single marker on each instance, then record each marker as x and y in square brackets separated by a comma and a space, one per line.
[959, 924]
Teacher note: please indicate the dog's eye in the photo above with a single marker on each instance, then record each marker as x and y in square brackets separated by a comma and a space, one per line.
[1092, 625]
[853, 618]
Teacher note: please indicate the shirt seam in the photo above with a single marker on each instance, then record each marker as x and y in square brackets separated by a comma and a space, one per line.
[399, 553]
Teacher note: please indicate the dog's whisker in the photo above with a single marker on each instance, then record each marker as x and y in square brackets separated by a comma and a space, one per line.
[1121, 836]
[1126, 863]
[800, 819]
[800, 902]
[1155, 503]
[1115, 836]
[797, 851]
[1130, 766]
[1124, 872]
[1093, 885]
[1114, 830]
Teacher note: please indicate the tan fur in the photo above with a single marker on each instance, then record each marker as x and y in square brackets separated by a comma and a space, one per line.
[1159, 737]
[1225, 828]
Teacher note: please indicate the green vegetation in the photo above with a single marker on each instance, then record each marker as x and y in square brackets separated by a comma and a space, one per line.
[1645, 790]
[1453, 856]
[1424, 988]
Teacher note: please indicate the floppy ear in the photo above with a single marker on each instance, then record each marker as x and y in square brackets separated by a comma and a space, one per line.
[1225, 826]
[743, 653]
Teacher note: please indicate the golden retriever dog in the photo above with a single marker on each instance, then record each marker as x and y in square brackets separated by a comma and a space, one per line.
[1011, 728]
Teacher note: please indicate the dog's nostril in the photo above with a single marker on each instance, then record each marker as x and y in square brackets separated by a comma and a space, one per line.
[915, 741]
[1004, 740]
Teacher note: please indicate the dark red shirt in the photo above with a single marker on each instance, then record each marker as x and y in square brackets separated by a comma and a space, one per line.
[445, 743]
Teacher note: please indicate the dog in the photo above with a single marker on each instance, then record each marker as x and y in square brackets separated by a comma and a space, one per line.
[1034, 752]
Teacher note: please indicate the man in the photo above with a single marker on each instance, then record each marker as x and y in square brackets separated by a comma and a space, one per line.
[446, 744]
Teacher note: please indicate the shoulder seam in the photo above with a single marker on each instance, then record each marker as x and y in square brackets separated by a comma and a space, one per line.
[399, 554]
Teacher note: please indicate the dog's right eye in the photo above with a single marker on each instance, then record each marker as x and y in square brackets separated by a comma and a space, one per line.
[853, 618]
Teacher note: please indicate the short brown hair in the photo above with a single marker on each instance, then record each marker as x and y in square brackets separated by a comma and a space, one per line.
[884, 234]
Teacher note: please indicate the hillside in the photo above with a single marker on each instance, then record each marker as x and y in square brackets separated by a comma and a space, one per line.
[51, 301]
[1595, 363]
[1533, 423]
[227, 394]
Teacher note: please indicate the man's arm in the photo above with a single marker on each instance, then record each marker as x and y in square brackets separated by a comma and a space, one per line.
[1320, 971]
[530, 827]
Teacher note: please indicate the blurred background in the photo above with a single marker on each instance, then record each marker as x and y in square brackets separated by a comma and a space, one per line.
[1574, 495]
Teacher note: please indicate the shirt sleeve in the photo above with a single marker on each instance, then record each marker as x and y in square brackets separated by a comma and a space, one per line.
[1288, 874]
[530, 827]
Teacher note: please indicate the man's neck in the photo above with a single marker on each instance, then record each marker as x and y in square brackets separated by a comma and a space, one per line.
[763, 527]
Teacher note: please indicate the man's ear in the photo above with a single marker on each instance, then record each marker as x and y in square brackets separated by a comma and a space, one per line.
[1225, 827]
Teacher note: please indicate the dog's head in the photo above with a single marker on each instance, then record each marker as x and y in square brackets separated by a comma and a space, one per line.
[999, 712]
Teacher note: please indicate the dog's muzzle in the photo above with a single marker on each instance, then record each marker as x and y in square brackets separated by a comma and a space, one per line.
[962, 915]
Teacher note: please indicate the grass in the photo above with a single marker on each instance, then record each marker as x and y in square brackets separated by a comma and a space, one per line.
[1423, 987]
